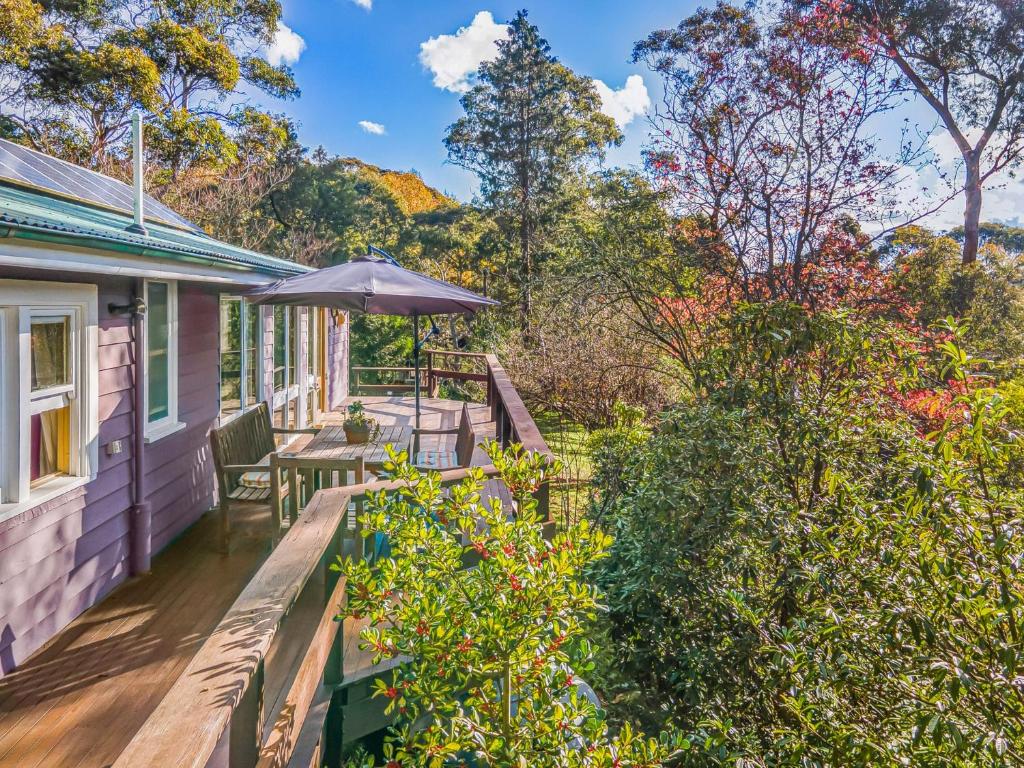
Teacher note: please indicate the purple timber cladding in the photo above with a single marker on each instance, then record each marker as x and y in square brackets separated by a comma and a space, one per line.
[64, 556]
[337, 359]
[60, 558]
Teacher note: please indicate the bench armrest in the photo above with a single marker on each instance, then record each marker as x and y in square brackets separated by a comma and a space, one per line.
[285, 431]
[241, 469]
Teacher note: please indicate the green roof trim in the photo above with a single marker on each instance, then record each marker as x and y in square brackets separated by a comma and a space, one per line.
[34, 216]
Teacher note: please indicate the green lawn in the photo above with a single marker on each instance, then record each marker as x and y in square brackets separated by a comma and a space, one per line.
[568, 440]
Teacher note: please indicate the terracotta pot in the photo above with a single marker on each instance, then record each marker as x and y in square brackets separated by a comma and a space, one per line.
[357, 433]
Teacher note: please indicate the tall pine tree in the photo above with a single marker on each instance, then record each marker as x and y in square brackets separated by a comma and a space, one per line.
[530, 127]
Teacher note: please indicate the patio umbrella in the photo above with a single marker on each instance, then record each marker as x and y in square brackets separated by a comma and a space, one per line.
[375, 285]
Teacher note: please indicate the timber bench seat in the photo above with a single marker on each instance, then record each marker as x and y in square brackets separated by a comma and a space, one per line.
[241, 457]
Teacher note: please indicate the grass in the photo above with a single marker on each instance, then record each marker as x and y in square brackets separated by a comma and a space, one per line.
[570, 494]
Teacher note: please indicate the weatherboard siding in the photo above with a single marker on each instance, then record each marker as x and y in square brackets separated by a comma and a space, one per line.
[59, 559]
[337, 358]
[64, 556]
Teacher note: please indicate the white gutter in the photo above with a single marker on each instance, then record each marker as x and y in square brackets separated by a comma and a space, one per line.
[44, 256]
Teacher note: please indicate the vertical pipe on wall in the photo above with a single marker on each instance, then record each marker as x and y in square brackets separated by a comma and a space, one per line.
[142, 515]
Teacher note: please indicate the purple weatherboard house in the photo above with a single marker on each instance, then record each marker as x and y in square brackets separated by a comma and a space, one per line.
[103, 461]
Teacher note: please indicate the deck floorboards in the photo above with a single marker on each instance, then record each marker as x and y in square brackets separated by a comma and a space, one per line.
[78, 701]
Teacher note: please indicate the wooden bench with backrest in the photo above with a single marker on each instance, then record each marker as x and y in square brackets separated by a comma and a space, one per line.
[242, 450]
[441, 459]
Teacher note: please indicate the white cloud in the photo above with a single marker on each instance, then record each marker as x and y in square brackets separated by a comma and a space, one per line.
[1002, 197]
[286, 46]
[364, 4]
[453, 59]
[370, 127]
[625, 104]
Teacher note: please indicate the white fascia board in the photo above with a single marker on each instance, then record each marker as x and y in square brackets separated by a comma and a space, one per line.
[64, 258]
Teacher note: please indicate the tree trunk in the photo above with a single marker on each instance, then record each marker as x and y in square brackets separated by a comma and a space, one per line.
[972, 212]
[526, 274]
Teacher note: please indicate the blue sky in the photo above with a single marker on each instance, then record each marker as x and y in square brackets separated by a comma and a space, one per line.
[372, 90]
[363, 64]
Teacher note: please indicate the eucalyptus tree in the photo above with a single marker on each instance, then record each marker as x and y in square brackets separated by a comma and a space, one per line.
[186, 64]
[965, 58]
[765, 134]
[531, 126]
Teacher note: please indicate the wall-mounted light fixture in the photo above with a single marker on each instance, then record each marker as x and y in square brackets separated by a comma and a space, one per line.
[136, 307]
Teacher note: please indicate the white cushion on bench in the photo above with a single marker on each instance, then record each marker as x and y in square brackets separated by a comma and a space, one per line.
[256, 479]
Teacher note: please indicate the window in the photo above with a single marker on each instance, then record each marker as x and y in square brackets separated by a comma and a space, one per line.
[314, 364]
[252, 340]
[239, 360]
[52, 388]
[48, 390]
[161, 359]
[286, 356]
[280, 347]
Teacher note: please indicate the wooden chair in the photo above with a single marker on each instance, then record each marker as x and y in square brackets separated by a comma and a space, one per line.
[241, 458]
[462, 456]
[296, 478]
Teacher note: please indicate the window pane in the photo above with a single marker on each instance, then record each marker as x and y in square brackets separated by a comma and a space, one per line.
[50, 366]
[279, 347]
[158, 335]
[293, 344]
[313, 341]
[252, 316]
[230, 355]
[50, 443]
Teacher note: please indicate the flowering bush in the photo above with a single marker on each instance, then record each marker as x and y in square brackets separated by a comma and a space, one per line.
[489, 618]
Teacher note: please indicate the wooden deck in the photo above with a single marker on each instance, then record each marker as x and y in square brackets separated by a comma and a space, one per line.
[79, 701]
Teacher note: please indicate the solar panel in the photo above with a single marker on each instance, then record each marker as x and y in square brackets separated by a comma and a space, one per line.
[26, 167]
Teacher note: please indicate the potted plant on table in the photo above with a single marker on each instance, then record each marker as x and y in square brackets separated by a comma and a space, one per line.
[357, 425]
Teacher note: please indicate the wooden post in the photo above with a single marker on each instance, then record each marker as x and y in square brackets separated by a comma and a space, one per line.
[246, 726]
[334, 670]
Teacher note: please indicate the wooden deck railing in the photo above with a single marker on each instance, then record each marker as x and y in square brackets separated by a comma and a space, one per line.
[258, 692]
[512, 419]
[266, 687]
[384, 380]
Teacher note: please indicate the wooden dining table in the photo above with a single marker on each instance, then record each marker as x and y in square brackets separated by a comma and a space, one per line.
[331, 443]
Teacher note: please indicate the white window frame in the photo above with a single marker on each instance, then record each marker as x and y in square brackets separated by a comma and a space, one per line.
[289, 393]
[20, 302]
[169, 424]
[243, 390]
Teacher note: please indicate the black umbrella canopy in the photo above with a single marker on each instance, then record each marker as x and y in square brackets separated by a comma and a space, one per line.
[377, 286]
[372, 285]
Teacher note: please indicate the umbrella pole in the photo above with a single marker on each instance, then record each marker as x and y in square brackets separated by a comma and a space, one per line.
[416, 364]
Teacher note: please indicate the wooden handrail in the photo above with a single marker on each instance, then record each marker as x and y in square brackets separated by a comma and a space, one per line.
[457, 353]
[506, 404]
[212, 716]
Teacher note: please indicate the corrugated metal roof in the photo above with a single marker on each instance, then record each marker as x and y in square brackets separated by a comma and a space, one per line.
[29, 211]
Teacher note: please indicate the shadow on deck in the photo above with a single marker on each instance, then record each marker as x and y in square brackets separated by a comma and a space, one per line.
[81, 699]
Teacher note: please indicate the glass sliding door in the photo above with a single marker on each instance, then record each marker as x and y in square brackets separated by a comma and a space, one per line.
[286, 362]
[251, 359]
[231, 381]
[240, 340]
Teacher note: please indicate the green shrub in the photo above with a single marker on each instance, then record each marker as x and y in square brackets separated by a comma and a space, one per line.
[491, 650]
[805, 573]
